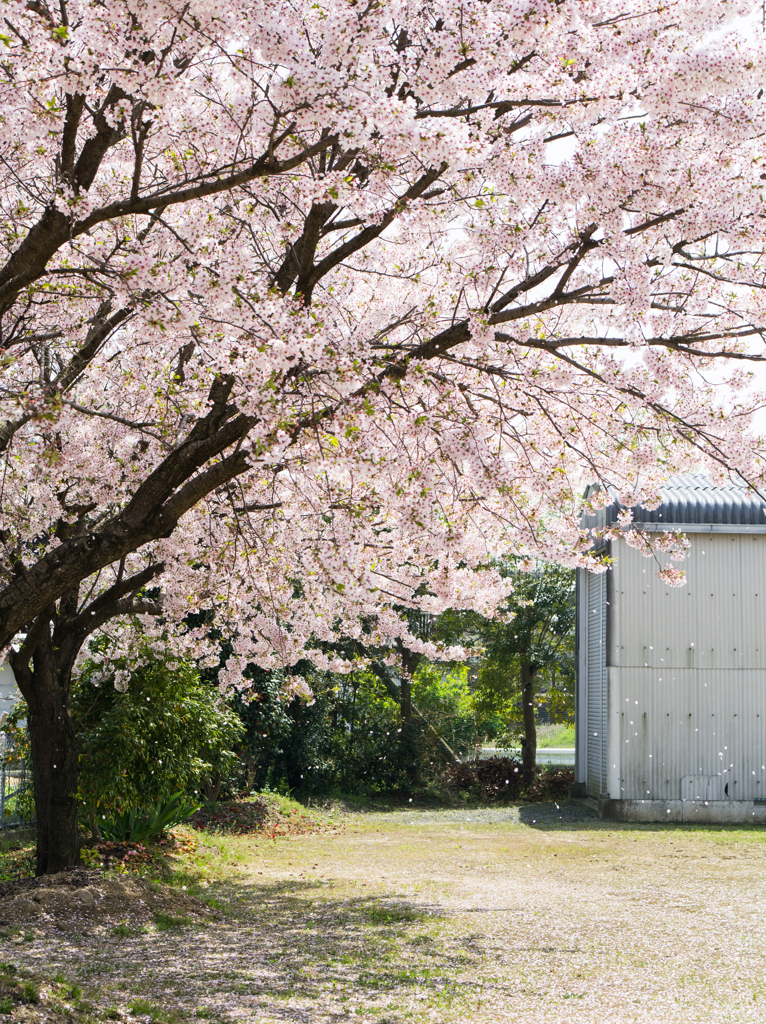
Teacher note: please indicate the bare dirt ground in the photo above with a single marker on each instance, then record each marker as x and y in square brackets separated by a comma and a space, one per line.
[525, 915]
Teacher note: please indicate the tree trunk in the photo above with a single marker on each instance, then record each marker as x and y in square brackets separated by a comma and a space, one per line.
[251, 766]
[384, 674]
[294, 748]
[54, 755]
[529, 746]
[410, 662]
[410, 731]
[211, 788]
[95, 831]
[43, 669]
[405, 697]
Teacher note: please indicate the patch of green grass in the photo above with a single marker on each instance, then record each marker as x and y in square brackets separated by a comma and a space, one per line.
[143, 1008]
[555, 736]
[284, 804]
[17, 859]
[170, 922]
[392, 915]
[8, 968]
[31, 991]
[73, 993]
[394, 978]
[203, 1011]
[129, 931]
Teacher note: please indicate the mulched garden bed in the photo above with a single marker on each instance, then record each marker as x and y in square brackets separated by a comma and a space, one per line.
[77, 878]
[128, 856]
[83, 901]
[258, 817]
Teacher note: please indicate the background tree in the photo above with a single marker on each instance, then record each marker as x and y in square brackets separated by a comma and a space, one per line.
[262, 709]
[448, 703]
[531, 638]
[301, 316]
[350, 737]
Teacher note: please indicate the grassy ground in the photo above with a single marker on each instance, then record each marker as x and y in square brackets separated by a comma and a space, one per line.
[511, 914]
[555, 736]
[17, 855]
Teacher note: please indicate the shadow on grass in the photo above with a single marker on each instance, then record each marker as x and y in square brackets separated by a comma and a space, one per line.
[289, 944]
[367, 947]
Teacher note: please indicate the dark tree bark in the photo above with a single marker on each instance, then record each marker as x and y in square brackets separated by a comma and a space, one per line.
[251, 766]
[211, 788]
[54, 752]
[410, 729]
[410, 662]
[43, 670]
[54, 758]
[294, 749]
[529, 745]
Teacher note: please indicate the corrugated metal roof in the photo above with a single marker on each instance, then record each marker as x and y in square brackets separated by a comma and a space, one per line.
[694, 498]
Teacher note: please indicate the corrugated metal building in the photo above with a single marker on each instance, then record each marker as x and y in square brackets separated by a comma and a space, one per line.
[9, 691]
[671, 690]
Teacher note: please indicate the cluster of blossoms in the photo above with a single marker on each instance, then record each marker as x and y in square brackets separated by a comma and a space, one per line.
[311, 310]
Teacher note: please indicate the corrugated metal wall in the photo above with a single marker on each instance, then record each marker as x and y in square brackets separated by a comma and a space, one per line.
[692, 660]
[9, 691]
[595, 682]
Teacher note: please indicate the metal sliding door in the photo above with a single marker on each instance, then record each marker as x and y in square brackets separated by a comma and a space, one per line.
[595, 682]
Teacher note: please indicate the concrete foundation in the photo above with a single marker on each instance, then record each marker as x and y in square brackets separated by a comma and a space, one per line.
[711, 812]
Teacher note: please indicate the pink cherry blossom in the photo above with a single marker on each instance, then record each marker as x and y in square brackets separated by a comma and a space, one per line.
[308, 311]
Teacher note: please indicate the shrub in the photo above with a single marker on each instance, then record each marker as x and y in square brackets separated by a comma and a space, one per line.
[350, 738]
[500, 778]
[134, 825]
[445, 698]
[492, 778]
[163, 732]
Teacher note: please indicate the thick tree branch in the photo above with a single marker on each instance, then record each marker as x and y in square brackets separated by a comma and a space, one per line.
[75, 104]
[307, 282]
[54, 228]
[83, 622]
[173, 488]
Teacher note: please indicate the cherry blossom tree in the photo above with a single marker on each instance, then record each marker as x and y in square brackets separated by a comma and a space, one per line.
[310, 309]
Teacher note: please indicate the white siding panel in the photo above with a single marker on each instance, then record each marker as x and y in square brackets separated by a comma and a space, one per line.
[613, 745]
[581, 707]
[9, 691]
[693, 672]
[701, 725]
[717, 620]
